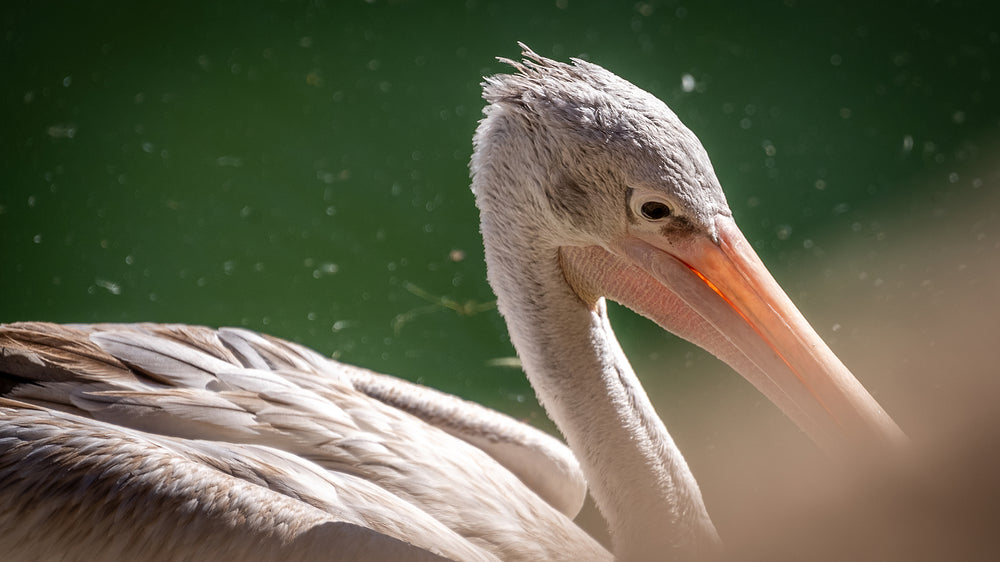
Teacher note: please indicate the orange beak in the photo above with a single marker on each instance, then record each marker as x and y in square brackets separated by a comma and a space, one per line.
[718, 294]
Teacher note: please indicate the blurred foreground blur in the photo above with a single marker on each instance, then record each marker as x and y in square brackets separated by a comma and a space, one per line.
[922, 331]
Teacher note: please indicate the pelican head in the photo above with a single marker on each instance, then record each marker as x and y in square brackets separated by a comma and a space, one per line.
[572, 161]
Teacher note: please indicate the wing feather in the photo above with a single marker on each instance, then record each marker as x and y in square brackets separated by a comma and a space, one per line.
[212, 501]
[248, 398]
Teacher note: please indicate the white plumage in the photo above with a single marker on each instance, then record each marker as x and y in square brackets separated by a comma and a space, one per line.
[177, 442]
[265, 413]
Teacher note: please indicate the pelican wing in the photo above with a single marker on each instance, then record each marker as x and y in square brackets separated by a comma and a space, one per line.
[543, 463]
[237, 389]
[145, 496]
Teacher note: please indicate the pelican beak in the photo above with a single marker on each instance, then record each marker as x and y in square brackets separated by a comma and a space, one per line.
[716, 292]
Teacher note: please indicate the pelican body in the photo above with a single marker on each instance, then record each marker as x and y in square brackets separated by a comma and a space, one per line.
[175, 442]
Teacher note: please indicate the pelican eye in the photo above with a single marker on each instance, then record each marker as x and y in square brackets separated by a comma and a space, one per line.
[655, 210]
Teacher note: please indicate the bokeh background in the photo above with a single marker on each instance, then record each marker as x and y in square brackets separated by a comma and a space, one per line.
[300, 168]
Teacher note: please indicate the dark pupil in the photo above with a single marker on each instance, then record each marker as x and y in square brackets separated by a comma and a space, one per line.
[654, 210]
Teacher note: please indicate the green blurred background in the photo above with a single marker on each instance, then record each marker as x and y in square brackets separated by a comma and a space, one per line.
[300, 168]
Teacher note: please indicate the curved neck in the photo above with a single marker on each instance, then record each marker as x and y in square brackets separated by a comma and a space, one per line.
[638, 477]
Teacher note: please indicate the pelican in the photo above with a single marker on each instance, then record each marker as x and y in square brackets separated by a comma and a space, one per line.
[177, 442]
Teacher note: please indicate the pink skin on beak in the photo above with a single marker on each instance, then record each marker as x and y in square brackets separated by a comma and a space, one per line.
[718, 294]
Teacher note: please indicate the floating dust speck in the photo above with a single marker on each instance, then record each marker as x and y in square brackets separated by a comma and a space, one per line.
[109, 286]
[688, 83]
[783, 231]
[324, 269]
[229, 161]
[61, 131]
[506, 362]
